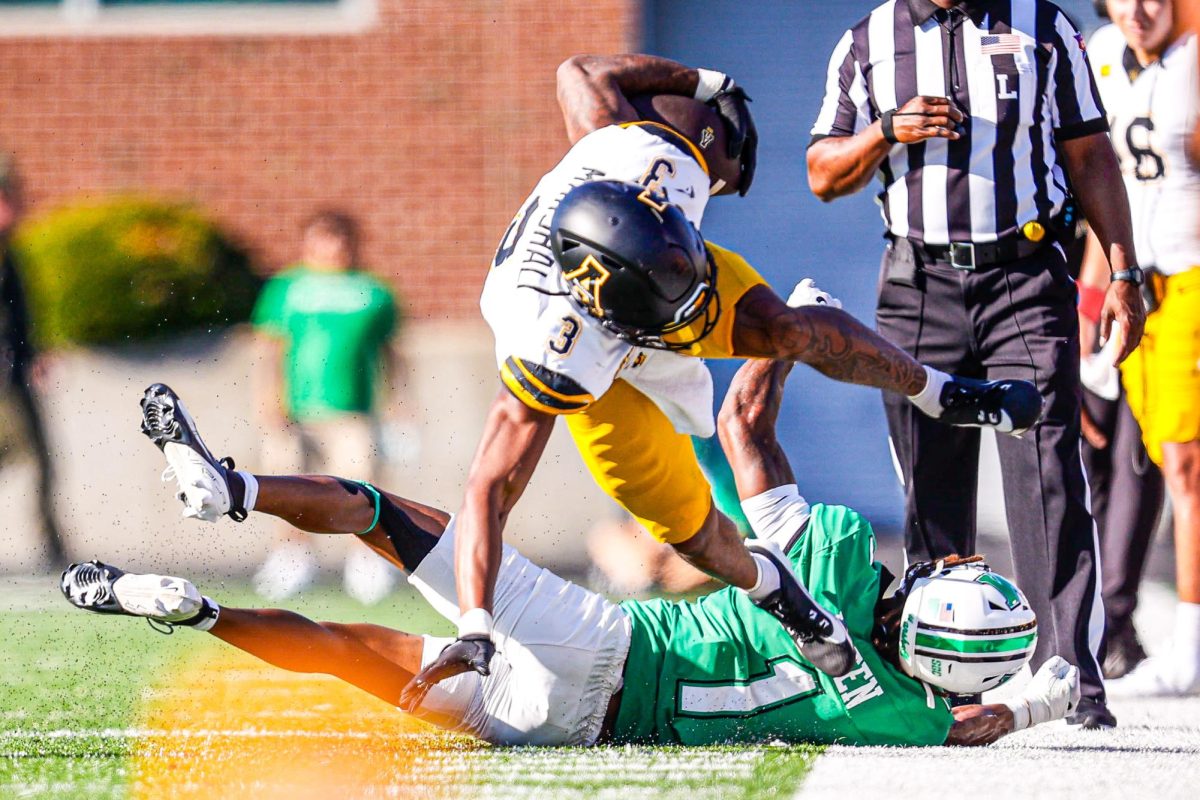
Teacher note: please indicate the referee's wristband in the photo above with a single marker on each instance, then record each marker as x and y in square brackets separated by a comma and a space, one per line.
[886, 123]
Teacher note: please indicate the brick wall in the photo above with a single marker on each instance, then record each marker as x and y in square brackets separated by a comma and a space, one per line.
[431, 127]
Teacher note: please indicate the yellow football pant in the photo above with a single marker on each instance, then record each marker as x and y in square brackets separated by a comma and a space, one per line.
[1162, 376]
[632, 449]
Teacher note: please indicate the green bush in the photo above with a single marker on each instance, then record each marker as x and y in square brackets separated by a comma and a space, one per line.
[130, 268]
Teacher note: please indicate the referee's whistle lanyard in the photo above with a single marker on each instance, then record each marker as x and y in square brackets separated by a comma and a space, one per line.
[951, 20]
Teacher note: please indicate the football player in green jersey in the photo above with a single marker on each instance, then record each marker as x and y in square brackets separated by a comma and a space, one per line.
[572, 668]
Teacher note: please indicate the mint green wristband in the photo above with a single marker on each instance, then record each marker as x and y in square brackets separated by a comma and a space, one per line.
[371, 490]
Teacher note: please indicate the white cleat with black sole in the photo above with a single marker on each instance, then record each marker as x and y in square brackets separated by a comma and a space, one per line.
[105, 589]
[208, 487]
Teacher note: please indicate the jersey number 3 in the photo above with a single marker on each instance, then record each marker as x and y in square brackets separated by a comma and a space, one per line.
[564, 341]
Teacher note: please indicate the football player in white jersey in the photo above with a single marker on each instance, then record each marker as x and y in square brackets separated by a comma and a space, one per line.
[600, 288]
[1146, 70]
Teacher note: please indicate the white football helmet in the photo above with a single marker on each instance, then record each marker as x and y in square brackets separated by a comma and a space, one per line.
[964, 629]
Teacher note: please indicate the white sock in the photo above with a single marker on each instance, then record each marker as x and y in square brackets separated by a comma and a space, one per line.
[1187, 644]
[251, 490]
[211, 612]
[929, 399]
[768, 578]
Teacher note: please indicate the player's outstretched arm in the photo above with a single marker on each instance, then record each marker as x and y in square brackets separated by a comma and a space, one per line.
[514, 438]
[746, 426]
[593, 90]
[826, 338]
[1052, 694]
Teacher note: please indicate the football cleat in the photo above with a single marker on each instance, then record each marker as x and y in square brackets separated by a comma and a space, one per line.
[208, 486]
[1123, 648]
[1092, 715]
[821, 637]
[105, 589]
[1009, 406]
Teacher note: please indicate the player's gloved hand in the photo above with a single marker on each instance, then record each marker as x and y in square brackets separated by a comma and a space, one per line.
[741, 132]
[1052, 694]
[807, 293]
[473, 652]
[719, 90]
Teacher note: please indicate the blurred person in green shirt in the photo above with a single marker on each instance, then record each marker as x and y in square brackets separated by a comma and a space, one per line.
[327, 328]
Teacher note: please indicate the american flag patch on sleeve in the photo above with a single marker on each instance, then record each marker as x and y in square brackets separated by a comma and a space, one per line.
[994, 44]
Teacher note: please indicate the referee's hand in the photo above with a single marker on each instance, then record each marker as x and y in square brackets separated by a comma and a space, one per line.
[926, 118]
[1122, 305]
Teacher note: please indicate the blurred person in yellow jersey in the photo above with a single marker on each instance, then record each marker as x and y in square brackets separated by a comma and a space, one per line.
[1146, 70]
[327, 326]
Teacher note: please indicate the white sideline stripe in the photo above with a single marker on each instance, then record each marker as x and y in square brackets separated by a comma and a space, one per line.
[1154, 752]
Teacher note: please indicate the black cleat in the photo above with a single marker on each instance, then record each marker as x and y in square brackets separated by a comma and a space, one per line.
[1123, 649]
[208, 486]
[821, 637]
[1092, 715]
[1008, 406]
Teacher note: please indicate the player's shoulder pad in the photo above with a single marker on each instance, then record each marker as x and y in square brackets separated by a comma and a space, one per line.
[543, 389]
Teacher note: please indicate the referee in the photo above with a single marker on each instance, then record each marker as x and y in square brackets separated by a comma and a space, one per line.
[977, 116]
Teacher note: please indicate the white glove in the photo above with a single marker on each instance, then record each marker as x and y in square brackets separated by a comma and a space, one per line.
[806, 293]
[1052, 694]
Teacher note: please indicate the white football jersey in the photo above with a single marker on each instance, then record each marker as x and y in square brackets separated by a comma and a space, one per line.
[553, 355]
[1153, 111]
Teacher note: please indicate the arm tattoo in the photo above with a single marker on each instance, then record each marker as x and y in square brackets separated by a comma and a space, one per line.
[828, 340]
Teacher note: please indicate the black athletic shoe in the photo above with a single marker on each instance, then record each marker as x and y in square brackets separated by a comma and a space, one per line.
[821, 637]
[1009, 406]
[1092, 715]
[1123, 649]
[208, 486]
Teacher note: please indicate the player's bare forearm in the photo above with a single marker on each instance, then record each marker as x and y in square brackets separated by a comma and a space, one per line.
[746, 426]
[827, 339]
[843, 165]
[593, 90]
[514, 438]
[979, 725]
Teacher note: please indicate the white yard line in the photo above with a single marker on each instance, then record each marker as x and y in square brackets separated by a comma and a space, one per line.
[1153, 753]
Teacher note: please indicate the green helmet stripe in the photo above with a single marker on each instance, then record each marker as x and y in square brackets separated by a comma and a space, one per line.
[1009, 592]
[976, 645]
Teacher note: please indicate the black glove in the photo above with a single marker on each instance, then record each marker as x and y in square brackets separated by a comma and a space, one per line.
[741, 135]
[461, 655]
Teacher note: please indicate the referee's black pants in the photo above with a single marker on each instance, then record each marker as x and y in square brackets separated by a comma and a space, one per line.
[1010, 320]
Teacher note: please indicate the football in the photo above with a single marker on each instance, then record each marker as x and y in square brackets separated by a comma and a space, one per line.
[700, 123]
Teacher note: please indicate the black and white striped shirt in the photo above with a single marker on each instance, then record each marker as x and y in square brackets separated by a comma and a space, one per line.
[1018, 71]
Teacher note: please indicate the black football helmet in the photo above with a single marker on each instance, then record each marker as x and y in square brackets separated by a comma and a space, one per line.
[636, 263]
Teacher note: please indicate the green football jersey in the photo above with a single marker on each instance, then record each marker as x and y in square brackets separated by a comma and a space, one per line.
[334, 326]
[720, 670]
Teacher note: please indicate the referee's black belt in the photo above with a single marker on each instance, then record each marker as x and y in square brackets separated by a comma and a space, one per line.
[973, 255]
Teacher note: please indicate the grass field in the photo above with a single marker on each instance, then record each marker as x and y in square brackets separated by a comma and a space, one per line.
[106, 708]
